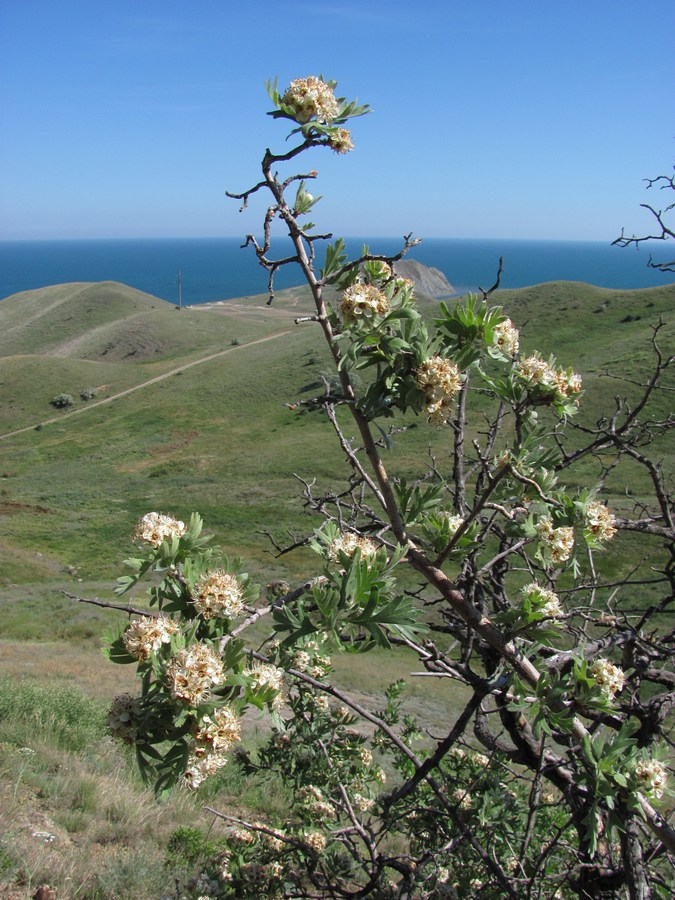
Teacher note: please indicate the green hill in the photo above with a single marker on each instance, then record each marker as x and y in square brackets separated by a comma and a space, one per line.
[108, 322]
[205, 425]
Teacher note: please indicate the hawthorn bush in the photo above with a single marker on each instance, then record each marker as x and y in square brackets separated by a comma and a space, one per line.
[492, 566]
[62, 401]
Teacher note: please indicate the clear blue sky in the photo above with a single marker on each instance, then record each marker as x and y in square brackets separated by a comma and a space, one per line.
[492, 118]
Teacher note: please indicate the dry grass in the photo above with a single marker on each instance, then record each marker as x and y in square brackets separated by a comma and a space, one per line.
[80, 822]
[49, 663]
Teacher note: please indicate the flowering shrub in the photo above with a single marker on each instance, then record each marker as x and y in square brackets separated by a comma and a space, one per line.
[488, 571]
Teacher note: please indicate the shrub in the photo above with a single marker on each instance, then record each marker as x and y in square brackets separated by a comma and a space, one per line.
[88, 394]
[61, 401]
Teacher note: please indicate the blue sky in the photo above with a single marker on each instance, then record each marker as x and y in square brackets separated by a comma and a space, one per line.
[492, 118]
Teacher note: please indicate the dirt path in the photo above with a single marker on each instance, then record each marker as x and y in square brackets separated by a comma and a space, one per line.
[137, 387]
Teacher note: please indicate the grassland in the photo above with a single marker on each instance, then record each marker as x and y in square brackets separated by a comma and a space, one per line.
[190, 413]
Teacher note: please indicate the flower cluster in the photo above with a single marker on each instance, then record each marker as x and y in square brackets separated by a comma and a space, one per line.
[146, 635]
[340, 140]
[362, 301]
[123, 717]
[543, 600]
[213, 737]
[348, 543]
[192, 673]
[506, 337]
[309, 659]
[221, 732]
[441, 380]
[218, 593]
[264, 676]
[154, 528]
[559, 542]
[314, 802]
[453, 522]
[315, 840]
[600, 522]
[366, 756]
[311, 98]
[555, 384]
[651, 777]
[609, 677]
[362, 804]
[462, 798]
[266, 684]
[199, 768]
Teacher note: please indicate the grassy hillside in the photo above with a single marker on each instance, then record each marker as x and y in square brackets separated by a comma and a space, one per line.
[190, 414]
[218, 436]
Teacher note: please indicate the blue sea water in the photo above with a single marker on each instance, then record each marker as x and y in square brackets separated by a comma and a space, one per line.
[218, 269]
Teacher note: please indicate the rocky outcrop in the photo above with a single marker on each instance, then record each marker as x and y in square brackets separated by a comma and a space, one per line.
[426, 279]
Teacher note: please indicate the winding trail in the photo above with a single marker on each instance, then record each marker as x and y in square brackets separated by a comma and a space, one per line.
[138, 387]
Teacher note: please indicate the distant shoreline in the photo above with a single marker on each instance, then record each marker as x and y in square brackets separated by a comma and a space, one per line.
[217, 269]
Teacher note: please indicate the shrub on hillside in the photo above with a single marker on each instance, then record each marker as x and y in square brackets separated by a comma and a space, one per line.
[88, 394]
[61, 401]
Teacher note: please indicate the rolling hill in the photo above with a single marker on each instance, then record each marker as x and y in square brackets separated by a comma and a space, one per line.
[200, 420]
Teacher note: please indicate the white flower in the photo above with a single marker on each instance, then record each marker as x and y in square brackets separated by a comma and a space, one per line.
[199, 768]
[366, 756]
[441, 380]
[146, 635]
[311, 98]
[557, 384]
[315, 803]
[341, 140]
[266, 677]
[544, 600]
[609, 677]
[192, 673]
[220, 732]
[316, 840]
[362, 804]
[362, 301]
[154, 528]
[213, 737]
[506, 337]
[453, 521]
[218, 593]
[599, 521]
[480, 759]
[439, 377]
[651, 776]
[558, 541]
[348, 543]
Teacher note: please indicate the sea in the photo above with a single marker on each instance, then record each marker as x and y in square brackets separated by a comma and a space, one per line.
[214, 269]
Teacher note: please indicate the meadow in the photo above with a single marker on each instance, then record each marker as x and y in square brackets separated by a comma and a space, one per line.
[199, 409]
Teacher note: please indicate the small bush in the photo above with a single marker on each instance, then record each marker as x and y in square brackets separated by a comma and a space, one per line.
[88, 394]
[61, 401]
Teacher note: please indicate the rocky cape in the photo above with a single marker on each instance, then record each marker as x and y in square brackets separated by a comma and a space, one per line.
[426, 279]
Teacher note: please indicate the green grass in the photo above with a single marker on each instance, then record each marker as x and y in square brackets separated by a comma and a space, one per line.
[71, 718]
[219, 438]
